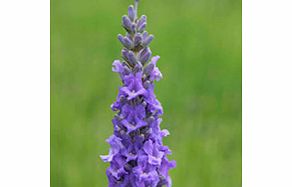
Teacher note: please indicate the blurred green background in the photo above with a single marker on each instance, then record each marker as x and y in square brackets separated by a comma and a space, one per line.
[199, 42]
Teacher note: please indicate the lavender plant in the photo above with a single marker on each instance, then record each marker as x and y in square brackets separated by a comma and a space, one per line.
[137, 155]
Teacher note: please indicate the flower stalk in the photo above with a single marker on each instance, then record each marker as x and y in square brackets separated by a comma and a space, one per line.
[137, 155]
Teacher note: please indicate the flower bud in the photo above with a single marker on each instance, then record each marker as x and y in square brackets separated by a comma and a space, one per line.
[125, 41]
[131, 13]
[132, 59]
[121, 38]
[142, 20]
[128, 42]
[147, 70]
[147, 40]
[142, 27]
[126, 69]
[125, 55]
[137, 39]
[138, 67]
[145, 55]
[127, 24]
[144, 35]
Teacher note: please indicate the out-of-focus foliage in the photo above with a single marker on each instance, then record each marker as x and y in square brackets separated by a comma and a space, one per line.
[199, 42]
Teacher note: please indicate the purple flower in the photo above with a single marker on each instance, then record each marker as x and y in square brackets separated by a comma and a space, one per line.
[133, 86]
[137, 155]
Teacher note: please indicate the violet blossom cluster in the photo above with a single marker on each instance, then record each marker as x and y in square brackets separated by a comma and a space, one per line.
[137, 155]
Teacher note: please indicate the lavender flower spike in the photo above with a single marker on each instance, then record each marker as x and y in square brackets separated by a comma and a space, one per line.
[137, 155]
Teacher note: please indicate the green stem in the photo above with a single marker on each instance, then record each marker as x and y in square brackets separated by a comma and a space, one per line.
[136, 7]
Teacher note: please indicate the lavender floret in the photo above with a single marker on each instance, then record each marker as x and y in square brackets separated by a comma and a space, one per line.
[137, 39]
[127, 24]
[137, 155]
[144, 55]
[126, 41]
[147, 40]
[131, 13]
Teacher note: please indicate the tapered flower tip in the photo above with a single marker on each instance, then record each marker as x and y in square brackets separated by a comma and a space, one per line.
[131, 12]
